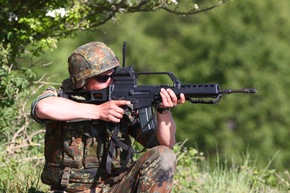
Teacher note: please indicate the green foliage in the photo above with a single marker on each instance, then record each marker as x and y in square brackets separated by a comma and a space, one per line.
[20, 174]
[35, 26]
[194, 174]
[13, 91]
[188, 168]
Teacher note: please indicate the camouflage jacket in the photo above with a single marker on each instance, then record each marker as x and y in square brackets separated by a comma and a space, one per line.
[76, 152]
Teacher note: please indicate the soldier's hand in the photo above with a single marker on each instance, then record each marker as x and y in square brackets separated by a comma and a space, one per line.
[169, 98]
[112, 110]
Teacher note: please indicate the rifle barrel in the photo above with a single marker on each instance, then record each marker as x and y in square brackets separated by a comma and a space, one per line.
[246, 90]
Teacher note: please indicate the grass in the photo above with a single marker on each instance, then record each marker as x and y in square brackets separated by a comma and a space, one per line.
[19, 175]
[194, 174]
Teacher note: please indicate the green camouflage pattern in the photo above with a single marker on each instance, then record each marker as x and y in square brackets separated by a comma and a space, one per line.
[74, 146]
[90, 60]
[152, 172]
[76, 153]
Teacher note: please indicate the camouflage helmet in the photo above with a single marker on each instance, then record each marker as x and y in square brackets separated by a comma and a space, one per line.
[90, 60]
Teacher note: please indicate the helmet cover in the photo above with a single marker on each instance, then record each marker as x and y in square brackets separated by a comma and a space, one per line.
[90, 60]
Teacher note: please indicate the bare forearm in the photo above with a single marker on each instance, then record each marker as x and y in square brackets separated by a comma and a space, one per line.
[166, 129]
[62, 109]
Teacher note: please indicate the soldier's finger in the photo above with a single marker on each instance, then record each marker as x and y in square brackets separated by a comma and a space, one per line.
[173, 96]
[165, 97]
[122, 102]
[182, 99]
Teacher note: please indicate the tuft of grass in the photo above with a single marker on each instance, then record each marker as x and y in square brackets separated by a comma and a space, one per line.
[20, 173]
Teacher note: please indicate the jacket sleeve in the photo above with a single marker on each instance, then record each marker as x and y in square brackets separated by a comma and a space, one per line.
[49, 92]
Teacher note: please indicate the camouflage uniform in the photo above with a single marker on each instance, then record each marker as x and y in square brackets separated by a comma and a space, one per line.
[76, 152]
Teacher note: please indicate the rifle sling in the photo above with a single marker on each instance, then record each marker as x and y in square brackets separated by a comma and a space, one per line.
[113, 143]
[116, 142]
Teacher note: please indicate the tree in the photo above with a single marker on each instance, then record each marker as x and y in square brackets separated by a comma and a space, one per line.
[30, 27]
[40, 24]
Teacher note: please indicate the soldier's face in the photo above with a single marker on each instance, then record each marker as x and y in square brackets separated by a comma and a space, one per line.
[99, 82]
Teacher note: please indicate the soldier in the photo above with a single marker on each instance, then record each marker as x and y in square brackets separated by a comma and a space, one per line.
[78, 156]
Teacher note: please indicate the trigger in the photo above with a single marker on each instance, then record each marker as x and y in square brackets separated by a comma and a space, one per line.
[128, 111]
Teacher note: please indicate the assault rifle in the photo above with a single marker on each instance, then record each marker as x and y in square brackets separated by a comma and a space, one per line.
[144, 97]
